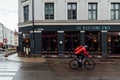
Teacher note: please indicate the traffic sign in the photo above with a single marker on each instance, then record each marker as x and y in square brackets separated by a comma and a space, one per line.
[5, 40]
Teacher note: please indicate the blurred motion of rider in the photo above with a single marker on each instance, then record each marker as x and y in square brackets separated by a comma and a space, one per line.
[81, 51]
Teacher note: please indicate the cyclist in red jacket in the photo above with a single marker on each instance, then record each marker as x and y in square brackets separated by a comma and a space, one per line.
[81, 51]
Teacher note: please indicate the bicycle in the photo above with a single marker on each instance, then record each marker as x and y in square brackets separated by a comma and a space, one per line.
[76, 63]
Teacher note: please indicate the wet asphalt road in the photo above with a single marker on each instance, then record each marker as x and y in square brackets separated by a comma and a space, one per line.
[10, 70]
[57, 71]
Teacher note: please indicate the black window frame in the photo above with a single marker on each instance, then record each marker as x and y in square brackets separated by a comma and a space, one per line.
[26, 13]
[92, 10]
[72, 13]
[49, 10]
[114, 17]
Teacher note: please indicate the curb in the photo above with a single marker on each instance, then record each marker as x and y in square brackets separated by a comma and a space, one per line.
[62, 60]
[7, 54]
[15, 58]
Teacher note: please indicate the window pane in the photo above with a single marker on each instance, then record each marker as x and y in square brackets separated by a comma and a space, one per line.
[69, 6]
[112, 14]
[89, 6]
[94, 15]
[115, 11]
[116, 6]
[72, 10]
[74, 6]
[92, 11]
[89, 15]
[69, 14]
[49, 10]
[94, 6]
[112, 6]
[26, 13]
[74, 14]
[117, 15]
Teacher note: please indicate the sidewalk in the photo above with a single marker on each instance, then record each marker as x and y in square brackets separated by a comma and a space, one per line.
[99, 60]
[15, 57]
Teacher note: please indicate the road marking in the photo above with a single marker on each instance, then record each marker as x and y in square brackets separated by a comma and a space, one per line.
[8, 69]
[6, 78]
[7, 73]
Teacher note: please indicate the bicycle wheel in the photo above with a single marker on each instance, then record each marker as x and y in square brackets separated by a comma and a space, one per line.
[74, 64]
[89, 64]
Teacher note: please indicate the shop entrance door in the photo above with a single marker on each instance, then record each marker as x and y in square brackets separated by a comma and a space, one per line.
[26, 43]
[72, 40]
[113, 42]
[49, 42]
[114, 45]
[92, 39]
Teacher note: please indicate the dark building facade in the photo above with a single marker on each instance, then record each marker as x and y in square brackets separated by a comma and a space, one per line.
[63, 39]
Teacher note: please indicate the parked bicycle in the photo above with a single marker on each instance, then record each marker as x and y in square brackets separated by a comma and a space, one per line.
[76, 63]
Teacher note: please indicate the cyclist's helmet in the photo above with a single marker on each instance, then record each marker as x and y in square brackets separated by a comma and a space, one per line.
[86, 46]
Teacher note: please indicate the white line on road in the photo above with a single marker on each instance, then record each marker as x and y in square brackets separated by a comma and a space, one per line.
[5, 67]
[6, 78]
[7, 73]
[8, 69]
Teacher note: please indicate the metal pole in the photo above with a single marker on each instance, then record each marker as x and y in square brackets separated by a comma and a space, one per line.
[4, 41]
[33, 26]
[6, 50]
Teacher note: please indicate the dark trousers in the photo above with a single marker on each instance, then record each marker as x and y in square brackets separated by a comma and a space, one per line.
[80, 56]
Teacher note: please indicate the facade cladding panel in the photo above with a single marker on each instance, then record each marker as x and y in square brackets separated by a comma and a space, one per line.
[58, 27]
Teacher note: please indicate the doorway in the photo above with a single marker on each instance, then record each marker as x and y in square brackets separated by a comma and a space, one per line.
[114, 43]
[26, 43]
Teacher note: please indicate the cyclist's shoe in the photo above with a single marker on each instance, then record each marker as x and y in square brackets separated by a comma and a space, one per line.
[80, 64]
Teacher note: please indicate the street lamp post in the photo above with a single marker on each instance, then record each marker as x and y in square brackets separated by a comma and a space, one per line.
[5, 40]
[33, 26]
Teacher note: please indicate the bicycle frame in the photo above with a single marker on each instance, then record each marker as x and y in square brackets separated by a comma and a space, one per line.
[87, 62]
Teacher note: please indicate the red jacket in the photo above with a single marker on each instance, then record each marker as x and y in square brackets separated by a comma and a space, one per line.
[80, 50]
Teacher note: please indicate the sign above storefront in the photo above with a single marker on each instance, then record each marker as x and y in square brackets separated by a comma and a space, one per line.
[72, 28]
[93, 27]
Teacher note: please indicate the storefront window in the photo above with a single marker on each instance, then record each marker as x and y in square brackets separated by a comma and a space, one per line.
[114, 43]
[49, 41]
[92, 39]
[72, 40]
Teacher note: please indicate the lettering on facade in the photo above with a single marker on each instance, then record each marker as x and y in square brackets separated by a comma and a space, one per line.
[40, 29]
[93, 28]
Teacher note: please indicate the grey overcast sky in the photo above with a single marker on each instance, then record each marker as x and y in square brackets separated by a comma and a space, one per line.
[9, 14]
